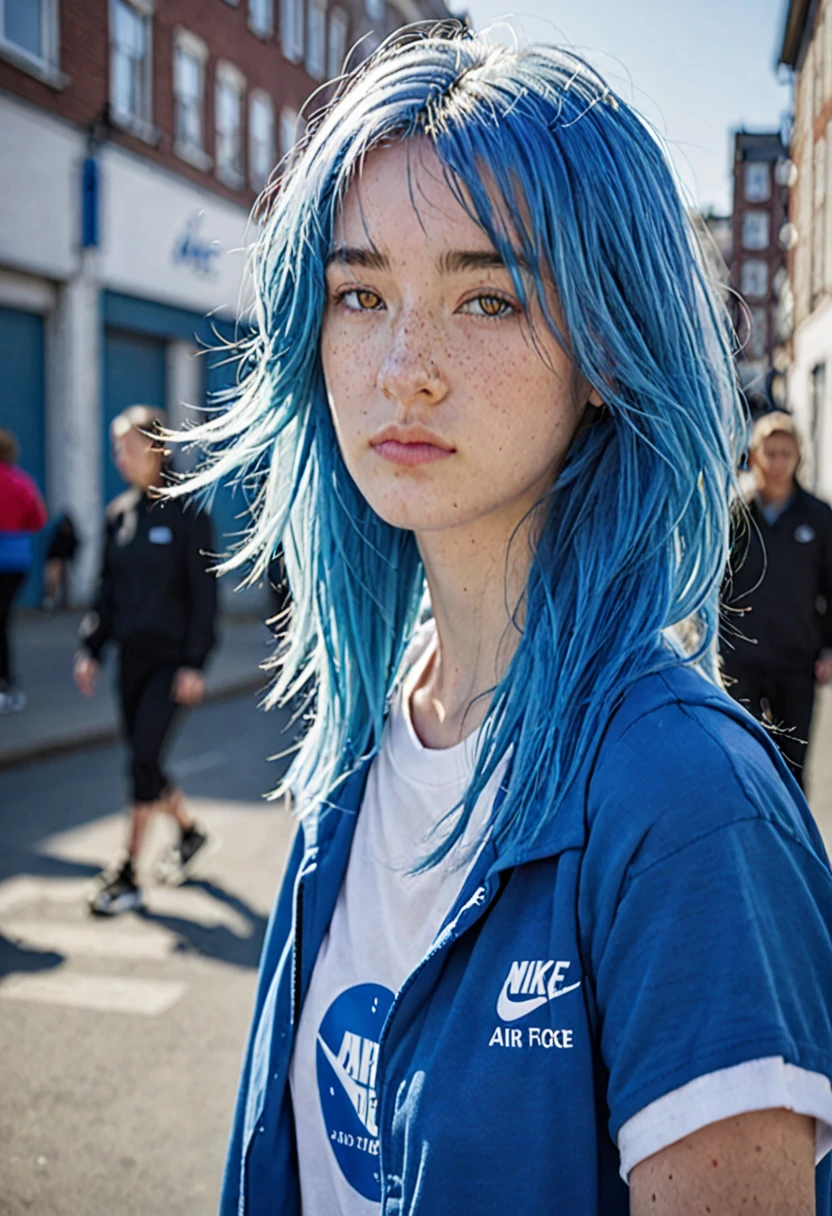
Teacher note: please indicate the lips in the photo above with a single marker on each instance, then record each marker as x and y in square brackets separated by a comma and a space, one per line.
[410, 446]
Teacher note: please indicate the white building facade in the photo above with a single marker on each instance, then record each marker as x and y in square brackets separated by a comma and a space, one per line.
[87, 330]
[807, 49]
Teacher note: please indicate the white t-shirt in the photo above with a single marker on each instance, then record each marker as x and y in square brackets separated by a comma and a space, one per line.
[384, 922]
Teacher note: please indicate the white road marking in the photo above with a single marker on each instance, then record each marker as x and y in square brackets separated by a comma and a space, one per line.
[199, 763]
[92, 939]
[106, 994]
[25, 889]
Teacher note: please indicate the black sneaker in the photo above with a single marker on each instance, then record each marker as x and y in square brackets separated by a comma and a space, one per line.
[119, 892]
[176, 864]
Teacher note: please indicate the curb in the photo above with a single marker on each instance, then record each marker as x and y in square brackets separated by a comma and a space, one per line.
[44, 749]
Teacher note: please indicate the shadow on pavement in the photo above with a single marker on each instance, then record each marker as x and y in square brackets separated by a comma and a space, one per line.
[20, 958]
[217, 941]
[44, 865]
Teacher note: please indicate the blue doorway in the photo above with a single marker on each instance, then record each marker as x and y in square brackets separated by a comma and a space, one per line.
[22, 410]
[134, 374]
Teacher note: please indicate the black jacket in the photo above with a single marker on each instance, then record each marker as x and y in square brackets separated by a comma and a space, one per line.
[156, 597]
[786, 593]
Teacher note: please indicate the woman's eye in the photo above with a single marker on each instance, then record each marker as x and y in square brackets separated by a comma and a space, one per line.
[488, 306]
[361, 299]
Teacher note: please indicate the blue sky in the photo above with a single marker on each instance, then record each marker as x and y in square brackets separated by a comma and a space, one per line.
[698, 70]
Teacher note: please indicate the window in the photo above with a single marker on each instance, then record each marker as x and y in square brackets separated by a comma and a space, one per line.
[374, 9]
[316, 38]
[228, 113]
[189, 57]
[757, 347]
[756, 230]
[818, 408]
[757, 182]
[130, 64]
[29, 30]
[288, 127]
[260, 139]
[754, 279]
[261, 17]
[291, 29]
[292, 127]
[819, 219]
[337, 47]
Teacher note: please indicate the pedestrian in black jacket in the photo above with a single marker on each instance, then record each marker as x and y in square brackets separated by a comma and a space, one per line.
[776, 637]
[157, 602]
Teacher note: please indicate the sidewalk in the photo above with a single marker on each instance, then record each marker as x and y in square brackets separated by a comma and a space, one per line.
[57, 718]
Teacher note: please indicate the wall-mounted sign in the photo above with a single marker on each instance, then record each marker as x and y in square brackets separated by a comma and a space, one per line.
[194, 250]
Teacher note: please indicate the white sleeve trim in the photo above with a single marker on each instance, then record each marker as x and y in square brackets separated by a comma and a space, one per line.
[761, 1084]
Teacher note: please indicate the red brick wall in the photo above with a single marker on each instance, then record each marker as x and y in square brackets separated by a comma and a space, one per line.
[84, 59]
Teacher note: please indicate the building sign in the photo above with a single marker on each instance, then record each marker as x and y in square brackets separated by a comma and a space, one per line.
[192, 249]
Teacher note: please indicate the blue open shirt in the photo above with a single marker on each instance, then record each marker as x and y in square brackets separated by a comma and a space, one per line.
[674, 919]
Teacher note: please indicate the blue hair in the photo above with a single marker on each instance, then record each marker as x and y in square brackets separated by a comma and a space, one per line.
[566, 179]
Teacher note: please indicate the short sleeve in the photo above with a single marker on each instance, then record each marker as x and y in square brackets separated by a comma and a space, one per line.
[718, 953]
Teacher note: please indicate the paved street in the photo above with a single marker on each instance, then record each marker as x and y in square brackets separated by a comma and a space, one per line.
[58, 718]
[120, 1041]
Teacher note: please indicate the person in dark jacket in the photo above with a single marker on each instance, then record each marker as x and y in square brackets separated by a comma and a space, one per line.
[776, 639]
[157, 602]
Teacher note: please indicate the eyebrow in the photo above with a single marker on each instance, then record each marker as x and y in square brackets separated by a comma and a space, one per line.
[453, 261]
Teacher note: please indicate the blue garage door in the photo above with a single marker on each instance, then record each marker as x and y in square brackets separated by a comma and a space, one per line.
[134, 374]
[22, 408]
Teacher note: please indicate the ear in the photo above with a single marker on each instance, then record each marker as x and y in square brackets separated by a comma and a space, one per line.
[595, 399]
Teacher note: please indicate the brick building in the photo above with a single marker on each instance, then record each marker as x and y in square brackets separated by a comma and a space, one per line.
[134, 136]
[758, 273]
[806, 48]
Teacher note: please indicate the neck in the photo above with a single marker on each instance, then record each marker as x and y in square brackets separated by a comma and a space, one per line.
[774, 495]
[476, 579]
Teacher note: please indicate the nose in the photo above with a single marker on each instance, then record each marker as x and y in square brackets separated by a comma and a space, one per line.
[410, 373]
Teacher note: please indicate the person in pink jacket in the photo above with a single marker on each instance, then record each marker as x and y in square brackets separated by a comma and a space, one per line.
[22, 512]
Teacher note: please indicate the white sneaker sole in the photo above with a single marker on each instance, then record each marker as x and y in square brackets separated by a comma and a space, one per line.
[130, 901]
[171, 874]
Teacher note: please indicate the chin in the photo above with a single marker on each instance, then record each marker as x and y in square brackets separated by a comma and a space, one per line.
[417, 512]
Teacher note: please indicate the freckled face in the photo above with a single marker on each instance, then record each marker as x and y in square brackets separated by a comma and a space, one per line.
[444, 410]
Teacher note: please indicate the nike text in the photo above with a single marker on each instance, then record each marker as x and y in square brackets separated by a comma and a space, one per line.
[530, 984]
[533, 1036]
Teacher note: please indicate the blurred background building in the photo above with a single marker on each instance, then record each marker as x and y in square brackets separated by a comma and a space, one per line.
[806, 48]
[134, 136]
[758, 263]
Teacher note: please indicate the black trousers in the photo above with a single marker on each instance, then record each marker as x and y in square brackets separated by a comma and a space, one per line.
[783, 698]
[10, 583]
[148, 713]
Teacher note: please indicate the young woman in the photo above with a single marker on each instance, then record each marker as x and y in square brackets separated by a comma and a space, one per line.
[557, 919]
[157, 601]
[777, 643]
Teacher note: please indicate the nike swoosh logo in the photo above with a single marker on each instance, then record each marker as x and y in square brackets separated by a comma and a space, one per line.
[509, 1010]
[355, 1092]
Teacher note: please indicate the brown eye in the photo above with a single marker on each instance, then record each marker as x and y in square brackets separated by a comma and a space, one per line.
[488, 306]
[492, 306]
[367, 299]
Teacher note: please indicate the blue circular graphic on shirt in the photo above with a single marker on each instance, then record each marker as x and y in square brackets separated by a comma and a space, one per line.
[346, 1053]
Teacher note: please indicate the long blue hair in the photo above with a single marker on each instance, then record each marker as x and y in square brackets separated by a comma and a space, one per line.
[633, 535]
